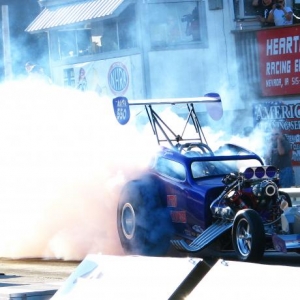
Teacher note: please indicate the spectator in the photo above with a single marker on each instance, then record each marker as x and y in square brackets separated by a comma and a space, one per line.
[37, 72]
[281, 14]
[82, 82]
[29, 66]
[264, 7]
[279, 155]
[192, 24]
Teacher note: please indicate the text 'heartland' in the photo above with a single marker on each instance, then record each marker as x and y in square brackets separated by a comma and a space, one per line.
[289, 46]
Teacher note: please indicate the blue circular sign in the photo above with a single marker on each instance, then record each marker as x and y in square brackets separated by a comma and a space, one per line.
[118, 78]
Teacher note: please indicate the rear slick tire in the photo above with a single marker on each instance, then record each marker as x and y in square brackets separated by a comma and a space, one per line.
[144, 225]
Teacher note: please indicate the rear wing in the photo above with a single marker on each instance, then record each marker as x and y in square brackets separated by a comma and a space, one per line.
[213, 105]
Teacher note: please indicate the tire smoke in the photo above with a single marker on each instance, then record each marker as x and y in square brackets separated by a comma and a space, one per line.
[63, 158]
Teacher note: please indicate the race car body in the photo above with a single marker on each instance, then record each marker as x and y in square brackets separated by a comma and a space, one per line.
[194, 198]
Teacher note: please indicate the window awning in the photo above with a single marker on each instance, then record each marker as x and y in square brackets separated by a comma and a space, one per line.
[58, 16]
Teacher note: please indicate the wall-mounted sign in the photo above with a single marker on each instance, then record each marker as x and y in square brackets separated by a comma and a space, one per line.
[286, 117]
[118, 79]
[279, 55]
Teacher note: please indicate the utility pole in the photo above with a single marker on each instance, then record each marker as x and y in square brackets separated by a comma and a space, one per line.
[6, 43]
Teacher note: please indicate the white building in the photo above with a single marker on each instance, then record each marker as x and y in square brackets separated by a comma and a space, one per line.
[163, 48]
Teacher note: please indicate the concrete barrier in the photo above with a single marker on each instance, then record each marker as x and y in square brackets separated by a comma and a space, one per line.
[126, 277]
[136, 278]
[229, 280]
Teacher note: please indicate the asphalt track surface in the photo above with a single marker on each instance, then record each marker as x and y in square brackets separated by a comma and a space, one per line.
[34, 271]
[40, 279]
[39, 271]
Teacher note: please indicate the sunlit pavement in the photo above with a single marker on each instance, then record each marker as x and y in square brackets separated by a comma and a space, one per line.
[32, 278]
[135, 277]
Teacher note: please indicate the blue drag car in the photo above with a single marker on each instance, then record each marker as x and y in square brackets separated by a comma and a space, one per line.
[194, 198]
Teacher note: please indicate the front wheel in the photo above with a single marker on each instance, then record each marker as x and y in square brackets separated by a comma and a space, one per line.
[248, 236]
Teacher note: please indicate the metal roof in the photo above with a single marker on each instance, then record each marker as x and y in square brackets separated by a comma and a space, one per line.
[58, 16]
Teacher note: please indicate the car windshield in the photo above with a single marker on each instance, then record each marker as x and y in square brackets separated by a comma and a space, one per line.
[211, 168]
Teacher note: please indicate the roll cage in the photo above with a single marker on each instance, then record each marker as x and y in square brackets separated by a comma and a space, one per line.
[161, 129]
[179, 142]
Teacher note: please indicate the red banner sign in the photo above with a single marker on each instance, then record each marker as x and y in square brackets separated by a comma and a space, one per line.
[279, 54]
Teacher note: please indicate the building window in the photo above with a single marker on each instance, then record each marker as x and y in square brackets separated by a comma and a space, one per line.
[69, 77]
[176, 23]
[100, 36]
[244, 9]
[115, 34]
[109, 36]
[74, 42]
[127, 29]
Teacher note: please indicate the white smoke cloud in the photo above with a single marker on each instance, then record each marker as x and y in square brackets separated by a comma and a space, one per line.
[63, 160]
